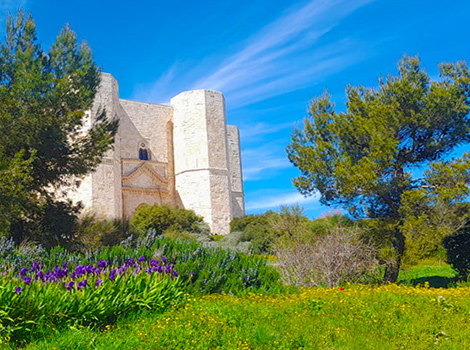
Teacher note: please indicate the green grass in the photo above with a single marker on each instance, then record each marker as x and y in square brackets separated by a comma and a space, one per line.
[437, 274]
[358, 317]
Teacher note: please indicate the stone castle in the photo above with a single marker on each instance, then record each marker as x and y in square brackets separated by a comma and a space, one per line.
[183, 154]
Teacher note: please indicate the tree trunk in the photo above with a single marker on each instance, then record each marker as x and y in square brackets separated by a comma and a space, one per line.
[392, 270]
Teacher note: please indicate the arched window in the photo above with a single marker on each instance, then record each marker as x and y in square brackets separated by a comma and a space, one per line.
[143, 151]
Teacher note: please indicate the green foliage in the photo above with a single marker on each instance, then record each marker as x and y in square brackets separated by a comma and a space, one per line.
[458, 252]
[235, 241]
[325, 224]
[368, 318]
[95, 233]
[363, 159]
[44, 97]
[436, 210]
[256, 229]
[41, 307]
[164, 217]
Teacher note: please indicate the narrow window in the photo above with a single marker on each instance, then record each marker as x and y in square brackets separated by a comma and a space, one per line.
[143, 152]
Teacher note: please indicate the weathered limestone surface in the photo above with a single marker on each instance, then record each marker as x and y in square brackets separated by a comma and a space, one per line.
[193, 158]
[236, 178]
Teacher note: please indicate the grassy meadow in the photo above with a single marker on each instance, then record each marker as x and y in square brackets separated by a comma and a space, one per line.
[181, 295]
[350, 317]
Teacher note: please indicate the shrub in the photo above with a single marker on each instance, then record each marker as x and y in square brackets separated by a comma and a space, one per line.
[95, 233]
[458, 253]
[235, 242]
[333, 259]
[164, 217]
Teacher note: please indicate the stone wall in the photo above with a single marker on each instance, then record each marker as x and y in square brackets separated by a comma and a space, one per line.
[200, 154]
[194, 158]
[236, 177]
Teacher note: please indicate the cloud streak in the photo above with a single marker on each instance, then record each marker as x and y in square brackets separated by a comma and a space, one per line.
[262, 162]
[274, 201]
[283, 56]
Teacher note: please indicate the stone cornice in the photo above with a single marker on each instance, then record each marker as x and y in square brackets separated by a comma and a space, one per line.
[145, 168]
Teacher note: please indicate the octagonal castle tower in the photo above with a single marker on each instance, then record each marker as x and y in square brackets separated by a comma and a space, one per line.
[183, 154]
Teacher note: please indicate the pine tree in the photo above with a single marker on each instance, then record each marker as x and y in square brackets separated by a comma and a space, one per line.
[43, 144]
[364, 159]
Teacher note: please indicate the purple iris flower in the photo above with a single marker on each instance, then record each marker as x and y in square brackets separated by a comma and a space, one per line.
[175, 273]
[102, 264]
[154, 262]
[18, 290]
[167, 269]
[164, 260]
[141, 258]
[112, 275]
[82, 284]
[65, 265]
[98, 282]
[27, 281]
[35, 267]
[70, 286]
[23, 271]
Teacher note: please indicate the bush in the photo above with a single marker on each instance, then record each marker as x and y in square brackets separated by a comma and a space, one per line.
[257, 230]
[164, 217]
[458, 253]
[94, 233]
[333, 259]
[235, 242]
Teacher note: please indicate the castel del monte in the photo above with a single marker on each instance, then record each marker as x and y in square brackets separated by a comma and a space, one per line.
[182, 154]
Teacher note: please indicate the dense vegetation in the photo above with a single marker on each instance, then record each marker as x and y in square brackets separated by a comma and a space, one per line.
[353, 317]
[58, 289]
[45, 145]
[279, 280]
[366, 158]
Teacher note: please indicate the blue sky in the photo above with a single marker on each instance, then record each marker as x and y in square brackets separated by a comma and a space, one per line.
[269, 58]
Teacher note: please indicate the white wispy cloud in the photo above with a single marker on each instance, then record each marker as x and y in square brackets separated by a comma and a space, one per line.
[256, 130]
[283, 56]
[262, 162]
[275, 200]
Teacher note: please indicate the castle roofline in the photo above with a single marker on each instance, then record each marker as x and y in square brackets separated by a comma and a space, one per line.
[145, 103]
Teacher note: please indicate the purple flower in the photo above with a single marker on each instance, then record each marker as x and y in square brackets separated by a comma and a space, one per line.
[159, 268]
[102, 264]
[141, 258]
[18, 290]
[82, 284]
[23, 271]
[27, 280]
[154, 262]
[175, 273]
[35, 267]
[112, 275]
[64, 265]
[70, 286]
[167, 269]
[98, 282]
[163, 260]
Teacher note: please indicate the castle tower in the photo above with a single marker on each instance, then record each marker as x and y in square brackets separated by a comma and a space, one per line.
[100, 191]
[201, 157]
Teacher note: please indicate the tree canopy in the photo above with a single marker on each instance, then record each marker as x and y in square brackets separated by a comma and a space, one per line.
[369, 158]
[44, 142]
